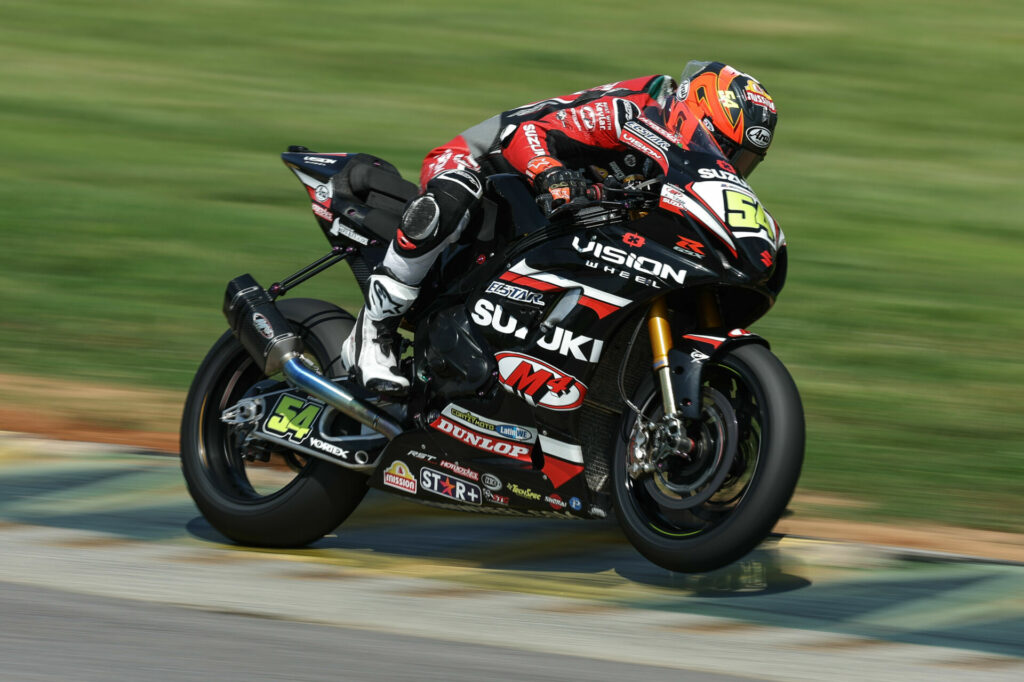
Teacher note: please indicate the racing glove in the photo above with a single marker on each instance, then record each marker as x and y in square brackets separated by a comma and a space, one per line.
[562, 184]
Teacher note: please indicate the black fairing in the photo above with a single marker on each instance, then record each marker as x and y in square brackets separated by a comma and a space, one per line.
[523, 328]
[748, 243]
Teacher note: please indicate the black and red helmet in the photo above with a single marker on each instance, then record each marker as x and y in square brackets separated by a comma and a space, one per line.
[733, 106]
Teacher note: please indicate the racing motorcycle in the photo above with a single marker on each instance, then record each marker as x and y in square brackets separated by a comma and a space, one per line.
[575, 362]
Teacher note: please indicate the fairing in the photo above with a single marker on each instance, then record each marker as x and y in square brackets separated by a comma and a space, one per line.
[519, 336]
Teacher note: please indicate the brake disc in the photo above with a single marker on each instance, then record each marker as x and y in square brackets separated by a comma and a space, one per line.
[679, 483]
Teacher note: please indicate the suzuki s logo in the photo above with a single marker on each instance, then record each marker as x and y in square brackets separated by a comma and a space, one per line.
[538, 383]
[568, 343]
[719, 174]
[533, 140]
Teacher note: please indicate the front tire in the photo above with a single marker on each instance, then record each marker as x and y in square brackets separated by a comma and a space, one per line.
[291, 500]
[752, 427]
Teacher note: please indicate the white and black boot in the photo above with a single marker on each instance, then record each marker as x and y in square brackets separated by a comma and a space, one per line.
[369, 351]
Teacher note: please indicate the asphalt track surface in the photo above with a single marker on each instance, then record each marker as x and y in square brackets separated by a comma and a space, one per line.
[108, 573]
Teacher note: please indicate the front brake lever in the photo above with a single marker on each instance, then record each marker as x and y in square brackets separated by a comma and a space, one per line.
[571, 207]
[544, 202]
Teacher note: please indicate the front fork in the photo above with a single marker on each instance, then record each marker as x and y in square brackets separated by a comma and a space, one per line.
[667, 436]
[660, 331]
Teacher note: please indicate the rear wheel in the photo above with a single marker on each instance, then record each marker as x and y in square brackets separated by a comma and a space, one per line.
[265, 495]
[711, 507]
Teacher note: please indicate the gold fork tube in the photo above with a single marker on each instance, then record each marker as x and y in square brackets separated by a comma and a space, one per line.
[660, 331]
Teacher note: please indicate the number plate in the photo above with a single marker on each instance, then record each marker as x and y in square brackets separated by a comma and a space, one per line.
[292, 418]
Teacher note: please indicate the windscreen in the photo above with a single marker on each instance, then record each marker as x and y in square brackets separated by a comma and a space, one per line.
[700, 140]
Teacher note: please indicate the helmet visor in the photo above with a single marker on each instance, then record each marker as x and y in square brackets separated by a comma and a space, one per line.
[692, 68]
[745, 161]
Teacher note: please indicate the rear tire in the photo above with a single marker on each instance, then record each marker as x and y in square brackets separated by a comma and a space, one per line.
[221, 482]
[749, 398]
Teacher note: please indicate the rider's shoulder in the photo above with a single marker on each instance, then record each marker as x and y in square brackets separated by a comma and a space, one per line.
[656, 86]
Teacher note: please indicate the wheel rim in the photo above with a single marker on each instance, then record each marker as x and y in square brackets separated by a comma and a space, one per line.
[689, 499]
[242, 480]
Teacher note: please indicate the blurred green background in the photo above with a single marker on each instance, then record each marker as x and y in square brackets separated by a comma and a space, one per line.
[140, 172]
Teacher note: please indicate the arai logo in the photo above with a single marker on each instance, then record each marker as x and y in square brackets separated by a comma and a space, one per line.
[759, 136]
[262, 325]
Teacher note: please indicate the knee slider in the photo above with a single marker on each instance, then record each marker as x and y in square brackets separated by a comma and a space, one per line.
[421, 217]
[462, 187]
[456, 193]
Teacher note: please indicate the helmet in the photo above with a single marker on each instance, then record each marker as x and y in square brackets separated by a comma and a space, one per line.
[732, 105]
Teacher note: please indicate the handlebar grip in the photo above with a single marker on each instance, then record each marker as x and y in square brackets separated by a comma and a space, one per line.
[546, 203]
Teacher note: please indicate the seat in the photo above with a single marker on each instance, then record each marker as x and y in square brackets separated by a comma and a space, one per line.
[376, 192]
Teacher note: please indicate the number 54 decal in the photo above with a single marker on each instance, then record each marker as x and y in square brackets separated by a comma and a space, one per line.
[292, 418]
[744, 212]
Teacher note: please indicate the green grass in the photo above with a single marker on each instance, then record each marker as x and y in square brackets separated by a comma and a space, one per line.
[140, 172]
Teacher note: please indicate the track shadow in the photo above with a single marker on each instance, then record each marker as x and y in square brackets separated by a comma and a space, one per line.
[900, 600]
[761, 572]
[554, 547]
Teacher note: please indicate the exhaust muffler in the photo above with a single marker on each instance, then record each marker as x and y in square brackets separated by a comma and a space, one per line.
[268, 337]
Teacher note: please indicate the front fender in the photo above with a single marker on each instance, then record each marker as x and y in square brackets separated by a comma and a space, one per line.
[692, 353]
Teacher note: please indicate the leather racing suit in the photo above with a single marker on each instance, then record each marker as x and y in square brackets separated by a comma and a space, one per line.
[576, 131]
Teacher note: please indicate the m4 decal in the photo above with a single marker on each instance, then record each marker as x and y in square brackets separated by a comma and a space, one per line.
[538, 383]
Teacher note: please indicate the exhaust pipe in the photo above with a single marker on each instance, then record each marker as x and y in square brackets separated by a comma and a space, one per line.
[302, 377]
[268, 337]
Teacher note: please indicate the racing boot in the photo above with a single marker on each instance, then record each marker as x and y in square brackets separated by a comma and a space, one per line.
[369, 351]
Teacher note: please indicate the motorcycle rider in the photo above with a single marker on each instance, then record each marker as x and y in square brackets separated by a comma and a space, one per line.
[548, 142]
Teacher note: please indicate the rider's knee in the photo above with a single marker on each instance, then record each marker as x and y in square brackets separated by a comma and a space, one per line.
[441, 211]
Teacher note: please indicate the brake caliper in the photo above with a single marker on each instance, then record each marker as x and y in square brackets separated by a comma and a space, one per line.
[242, 418]
[655, 442]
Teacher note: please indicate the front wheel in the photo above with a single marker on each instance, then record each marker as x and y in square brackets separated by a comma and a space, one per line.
[262, 495]
[702, 511]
